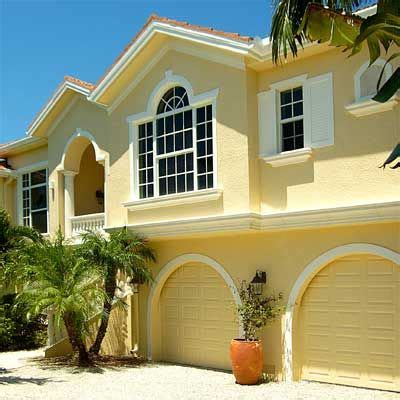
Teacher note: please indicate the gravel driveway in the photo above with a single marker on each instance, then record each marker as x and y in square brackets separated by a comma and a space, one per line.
[21, 379]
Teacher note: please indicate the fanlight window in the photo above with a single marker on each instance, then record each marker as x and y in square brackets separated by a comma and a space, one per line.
[174, 99]
[176, 147]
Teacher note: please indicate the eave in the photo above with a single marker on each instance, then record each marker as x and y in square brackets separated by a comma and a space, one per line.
[22, 145]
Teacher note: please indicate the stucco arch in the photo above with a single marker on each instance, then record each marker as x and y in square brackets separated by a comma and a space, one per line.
[74, 149]
[306, 276]
[163, 275]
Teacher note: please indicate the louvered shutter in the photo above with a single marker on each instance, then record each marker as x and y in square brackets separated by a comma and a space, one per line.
[267, 125]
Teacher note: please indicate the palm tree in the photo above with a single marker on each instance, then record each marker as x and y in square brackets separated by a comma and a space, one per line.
[120, 253]
[296, 22]
[12, 240]
[62, 282]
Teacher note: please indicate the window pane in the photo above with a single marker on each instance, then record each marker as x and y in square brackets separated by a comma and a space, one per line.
[288, 144]
[39, 221]
[142, 176]
[150, 190]
[38, 177]
[209, 113]
[150, 175]
[142, 146]
[201, 165]
[188, 119]
[178, 122]
[189, 162]
[298, 94]
[149, 144]
[299, 142]
[25, 180]
[188, 139]
[169, 124]
[209, 164]
[209, 129]
[286, 112]
[163, 186]
[210, 180]
[160, 126]
[38, 198]
[201, 149]
[297, 109]
[170, 143]
[149, 160]
[160, 145]
[163, 167]
[286, 97]
[201, 114]
[189, 182]
[201, 131]
[299, 129]
[179, 141]
[181, 183]
[202, 182]
[171, 165]
[171, 185]
[287, 130]
[209, 147]
[142, 191]
[180, 164]
[142, 131]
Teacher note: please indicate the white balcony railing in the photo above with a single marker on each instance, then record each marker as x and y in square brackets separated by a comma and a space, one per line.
[84, 223]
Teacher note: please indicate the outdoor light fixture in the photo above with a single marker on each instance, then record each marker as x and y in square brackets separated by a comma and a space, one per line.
[258, 282]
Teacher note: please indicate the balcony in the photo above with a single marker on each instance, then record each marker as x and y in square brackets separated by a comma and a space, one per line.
[84, 223]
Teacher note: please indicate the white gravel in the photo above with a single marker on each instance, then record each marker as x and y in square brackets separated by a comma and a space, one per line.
[21, 379]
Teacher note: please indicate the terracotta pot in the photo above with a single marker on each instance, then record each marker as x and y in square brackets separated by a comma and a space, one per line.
[247, 361]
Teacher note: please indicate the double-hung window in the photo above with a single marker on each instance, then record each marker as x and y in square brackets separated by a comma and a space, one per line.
[34, 200]
[291, 119]
[175, 148]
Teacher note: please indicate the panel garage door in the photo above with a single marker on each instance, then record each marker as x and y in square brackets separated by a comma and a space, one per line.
[197, 317]
[350, 324]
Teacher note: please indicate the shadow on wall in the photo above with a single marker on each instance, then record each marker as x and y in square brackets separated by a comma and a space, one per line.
[278, 181]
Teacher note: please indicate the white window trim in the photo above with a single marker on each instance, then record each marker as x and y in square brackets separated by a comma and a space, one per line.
[203, 99]
[27, 170]
[297, 156]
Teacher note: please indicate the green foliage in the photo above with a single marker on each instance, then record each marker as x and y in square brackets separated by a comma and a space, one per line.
[62, 282]
[256, 311]
[121, 252]
[297, 21]
[393, 156]
[16, 331]
[13, 240]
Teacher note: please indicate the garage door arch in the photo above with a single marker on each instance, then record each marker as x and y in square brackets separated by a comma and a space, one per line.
[162, 277]
[308, 274]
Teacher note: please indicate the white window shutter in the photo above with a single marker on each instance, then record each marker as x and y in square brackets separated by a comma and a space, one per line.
[267, 126]
[320, 110]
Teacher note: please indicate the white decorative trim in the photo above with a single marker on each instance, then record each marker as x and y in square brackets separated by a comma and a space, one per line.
[238, 47]
[363, 108]
[54, 99]
[8, 173]
[164, 274]
[101, 155]
[305, 277]
[356, 214]
[289, 83]
[24, 144]
[170, 80]
[288, 157]
[32, 167]
[174, 200]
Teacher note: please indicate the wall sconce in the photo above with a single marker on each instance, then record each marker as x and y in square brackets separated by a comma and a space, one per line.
[100, 197]
[258, 282]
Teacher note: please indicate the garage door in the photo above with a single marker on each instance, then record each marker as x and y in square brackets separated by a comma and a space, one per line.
[350, 324]
[197, 317]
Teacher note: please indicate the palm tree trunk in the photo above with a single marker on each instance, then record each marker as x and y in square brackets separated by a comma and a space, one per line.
[75, 338]
[110, 287]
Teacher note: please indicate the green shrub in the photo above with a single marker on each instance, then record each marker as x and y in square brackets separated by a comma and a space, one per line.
[16, 332]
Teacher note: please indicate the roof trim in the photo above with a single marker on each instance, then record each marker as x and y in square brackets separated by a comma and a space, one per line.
[170, 28]
[20, 145]
[69, 83]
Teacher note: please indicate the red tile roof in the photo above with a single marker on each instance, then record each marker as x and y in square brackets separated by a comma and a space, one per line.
[79, 82]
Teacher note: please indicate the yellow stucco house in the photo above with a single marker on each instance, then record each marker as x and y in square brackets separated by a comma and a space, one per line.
[229, 165]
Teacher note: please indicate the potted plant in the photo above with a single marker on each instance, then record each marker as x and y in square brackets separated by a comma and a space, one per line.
[255, 312]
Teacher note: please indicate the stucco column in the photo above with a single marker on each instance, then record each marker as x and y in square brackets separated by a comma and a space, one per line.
[69, 201]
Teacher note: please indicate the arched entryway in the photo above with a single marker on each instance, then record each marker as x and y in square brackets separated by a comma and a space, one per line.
[191, 313]
[344, 319]
[84, 166]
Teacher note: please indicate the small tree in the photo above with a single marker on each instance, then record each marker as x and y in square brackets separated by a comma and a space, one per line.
[62, 282]
[122, 252]
[256, 311]
[12, 240]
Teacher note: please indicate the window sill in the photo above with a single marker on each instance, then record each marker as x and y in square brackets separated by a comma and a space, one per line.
[366, 107]
[288, 157]
[174, 200]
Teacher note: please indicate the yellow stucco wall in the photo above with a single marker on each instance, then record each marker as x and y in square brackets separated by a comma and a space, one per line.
[284, 255]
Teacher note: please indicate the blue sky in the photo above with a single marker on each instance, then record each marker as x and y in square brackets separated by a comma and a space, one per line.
[41, 41]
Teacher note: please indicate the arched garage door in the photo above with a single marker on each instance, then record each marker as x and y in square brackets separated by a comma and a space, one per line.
[197, 317]
[350, 324]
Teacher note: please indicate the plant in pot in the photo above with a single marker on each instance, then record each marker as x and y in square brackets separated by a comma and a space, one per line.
[255, 312]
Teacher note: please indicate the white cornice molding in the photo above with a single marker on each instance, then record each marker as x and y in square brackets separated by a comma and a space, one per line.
[252, 222]
[8, 173]
[237, 47]
[21, 145]
[66, 85]
[288, 157]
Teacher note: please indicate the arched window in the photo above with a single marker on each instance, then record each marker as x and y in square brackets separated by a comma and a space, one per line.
[175, 148]
[367, 77]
